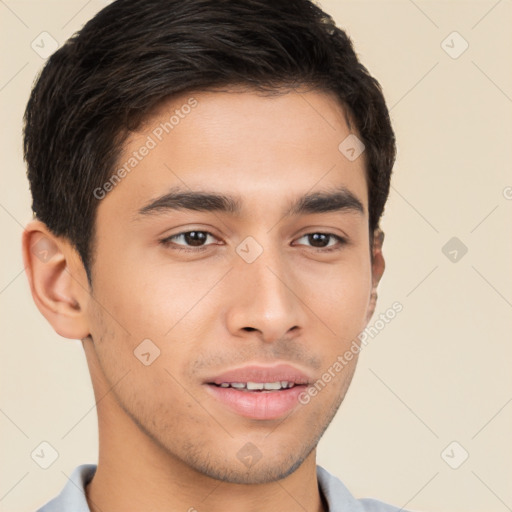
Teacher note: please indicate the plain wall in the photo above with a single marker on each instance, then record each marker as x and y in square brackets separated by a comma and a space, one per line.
[439, 372]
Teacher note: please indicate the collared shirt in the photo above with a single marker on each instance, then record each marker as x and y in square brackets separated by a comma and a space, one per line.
[72, 497]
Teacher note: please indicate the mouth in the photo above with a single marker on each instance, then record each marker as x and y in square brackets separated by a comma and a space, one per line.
[260, 393]
[257, 386]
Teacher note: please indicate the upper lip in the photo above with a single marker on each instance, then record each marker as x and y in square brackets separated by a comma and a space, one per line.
[261, 374]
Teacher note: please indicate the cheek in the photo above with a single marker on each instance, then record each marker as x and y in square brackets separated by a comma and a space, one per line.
[146, 302]
[339, 296]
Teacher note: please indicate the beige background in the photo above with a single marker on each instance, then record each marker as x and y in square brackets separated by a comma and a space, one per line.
[439, 372]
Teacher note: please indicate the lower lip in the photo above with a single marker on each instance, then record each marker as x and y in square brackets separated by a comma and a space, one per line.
[258, 405]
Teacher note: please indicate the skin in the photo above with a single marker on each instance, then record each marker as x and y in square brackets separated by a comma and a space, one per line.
[164, 442]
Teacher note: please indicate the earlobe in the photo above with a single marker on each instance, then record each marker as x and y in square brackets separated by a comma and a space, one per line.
[56, 278]
[378, 267]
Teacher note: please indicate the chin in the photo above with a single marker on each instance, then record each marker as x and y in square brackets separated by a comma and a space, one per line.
[263, 471]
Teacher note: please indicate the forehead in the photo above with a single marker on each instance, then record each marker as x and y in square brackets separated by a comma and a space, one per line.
[254, 146]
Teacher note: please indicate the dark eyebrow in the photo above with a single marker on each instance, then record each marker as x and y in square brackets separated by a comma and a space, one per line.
[340, 199]
[336, 200]
[180, 199]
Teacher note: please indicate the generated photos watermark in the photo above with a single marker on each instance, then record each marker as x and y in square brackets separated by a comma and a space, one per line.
[151, 142]
[342, 360]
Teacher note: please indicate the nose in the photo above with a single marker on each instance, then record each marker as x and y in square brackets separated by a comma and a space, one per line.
[265, 298]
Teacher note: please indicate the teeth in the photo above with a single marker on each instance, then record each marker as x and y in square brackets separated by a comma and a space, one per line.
[258, 386]
[255, 385]
[272, 385]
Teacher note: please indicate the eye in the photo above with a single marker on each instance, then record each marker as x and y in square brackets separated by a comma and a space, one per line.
[195, 239]
[321, 241]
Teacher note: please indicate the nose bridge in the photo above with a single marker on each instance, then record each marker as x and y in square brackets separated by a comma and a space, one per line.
[264, 297]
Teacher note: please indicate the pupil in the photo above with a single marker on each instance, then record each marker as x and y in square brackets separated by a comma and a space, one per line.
[315, 237]
[195, 238]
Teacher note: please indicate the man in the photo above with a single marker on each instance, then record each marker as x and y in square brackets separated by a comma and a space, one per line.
[207, 179]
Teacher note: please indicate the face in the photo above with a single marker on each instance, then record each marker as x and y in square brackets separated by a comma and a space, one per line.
[192, 296]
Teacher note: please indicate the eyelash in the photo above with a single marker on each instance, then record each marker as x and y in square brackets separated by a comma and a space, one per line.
[167, 242]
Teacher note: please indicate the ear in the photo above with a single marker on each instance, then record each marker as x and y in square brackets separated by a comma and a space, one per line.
[57, 279]
[378, 266]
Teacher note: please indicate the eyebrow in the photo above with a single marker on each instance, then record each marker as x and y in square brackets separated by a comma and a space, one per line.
[336, 200]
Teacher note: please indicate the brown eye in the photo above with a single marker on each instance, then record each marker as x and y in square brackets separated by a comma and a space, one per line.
[321, 241]
[190, 239]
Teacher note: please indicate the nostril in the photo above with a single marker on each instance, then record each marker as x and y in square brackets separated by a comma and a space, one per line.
[249, 329]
